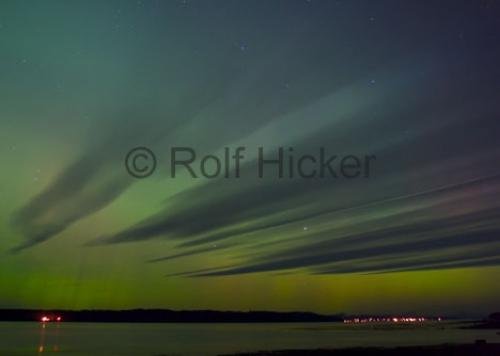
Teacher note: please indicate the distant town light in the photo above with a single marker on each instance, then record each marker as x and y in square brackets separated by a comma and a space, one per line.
[389, 319]
[48, 319]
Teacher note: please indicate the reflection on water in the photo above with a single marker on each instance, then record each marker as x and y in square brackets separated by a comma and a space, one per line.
[27, 338]
[49, 342]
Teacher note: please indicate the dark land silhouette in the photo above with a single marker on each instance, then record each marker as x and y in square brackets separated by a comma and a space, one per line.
[163, 316]
[477, 349]
[491, 322]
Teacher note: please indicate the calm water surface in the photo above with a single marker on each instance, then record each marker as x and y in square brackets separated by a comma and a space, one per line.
[20, 338]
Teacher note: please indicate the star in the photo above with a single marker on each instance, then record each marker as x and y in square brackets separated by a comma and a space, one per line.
[242, 46]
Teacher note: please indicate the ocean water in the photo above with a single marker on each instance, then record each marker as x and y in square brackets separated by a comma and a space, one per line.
[32, 338]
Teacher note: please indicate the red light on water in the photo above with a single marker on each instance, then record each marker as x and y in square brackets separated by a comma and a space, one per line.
[58, 318]
[45, 319]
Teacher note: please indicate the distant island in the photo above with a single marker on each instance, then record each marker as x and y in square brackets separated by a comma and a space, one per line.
[163, 316]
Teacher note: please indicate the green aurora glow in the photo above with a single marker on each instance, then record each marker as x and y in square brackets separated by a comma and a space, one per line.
[414, 84]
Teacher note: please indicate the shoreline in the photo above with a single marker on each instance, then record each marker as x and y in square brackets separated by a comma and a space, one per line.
[479, 348]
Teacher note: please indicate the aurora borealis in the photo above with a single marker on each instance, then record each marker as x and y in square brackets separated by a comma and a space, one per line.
[414, 83]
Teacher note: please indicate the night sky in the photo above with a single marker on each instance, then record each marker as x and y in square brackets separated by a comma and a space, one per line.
[414, 83]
